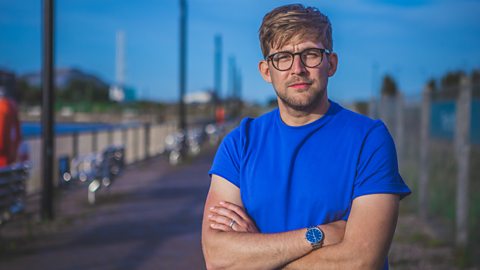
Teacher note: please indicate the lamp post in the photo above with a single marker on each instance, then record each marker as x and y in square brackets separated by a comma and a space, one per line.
[48, 118]
[217, 76]
[182, 78]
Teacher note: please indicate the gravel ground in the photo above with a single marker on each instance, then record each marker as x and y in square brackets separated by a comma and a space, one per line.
[417, 246]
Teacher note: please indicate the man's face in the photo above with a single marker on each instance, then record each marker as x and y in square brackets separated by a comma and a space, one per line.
[301, 88]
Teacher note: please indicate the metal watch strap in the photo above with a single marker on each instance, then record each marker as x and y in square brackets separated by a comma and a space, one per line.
[320, 244]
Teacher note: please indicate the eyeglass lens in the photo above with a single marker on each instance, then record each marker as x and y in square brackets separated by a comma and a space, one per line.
[309, 57]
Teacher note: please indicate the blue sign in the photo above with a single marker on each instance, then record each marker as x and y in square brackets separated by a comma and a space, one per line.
[442, 119]
[475, 131]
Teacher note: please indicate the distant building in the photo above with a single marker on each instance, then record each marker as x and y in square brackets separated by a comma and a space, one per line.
[116, 93]
[122, 93]
[203, 97]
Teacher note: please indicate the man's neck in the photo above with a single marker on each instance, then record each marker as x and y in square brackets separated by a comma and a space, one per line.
[295, 118]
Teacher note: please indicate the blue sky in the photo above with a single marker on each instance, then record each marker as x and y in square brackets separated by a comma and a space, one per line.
[412, 40]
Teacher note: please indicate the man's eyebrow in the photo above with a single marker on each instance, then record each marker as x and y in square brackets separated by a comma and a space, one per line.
[289, 51]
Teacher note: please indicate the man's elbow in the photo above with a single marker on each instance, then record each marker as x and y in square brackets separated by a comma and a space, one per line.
[216, 263]
[213, 255]
[369, 262]
[213, 261]
[212, 264]
[366, 258]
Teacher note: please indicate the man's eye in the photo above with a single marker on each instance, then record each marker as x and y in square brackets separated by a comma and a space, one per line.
[282, 57]
[312, 55]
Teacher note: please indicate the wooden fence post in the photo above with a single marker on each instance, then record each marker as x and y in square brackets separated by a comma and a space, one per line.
[462, 151]
[399, 128]
[424, 156]
[372, 108]
[382, 110]
[136, 143]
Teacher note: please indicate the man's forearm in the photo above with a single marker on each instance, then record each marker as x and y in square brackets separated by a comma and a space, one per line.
[227, 230]
[335, 253]
[368, 235]
[232, 250]
[238, 245]
[339, 256]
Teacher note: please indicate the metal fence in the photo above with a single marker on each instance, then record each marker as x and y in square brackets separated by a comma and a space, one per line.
[12, 190]
[139, 142]
[438, 145]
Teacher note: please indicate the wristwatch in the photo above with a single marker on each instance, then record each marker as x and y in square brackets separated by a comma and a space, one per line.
[314, 236]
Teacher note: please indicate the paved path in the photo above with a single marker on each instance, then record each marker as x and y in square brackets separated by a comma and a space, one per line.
[149, 219]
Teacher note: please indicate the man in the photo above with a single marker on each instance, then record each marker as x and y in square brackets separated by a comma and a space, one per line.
[10, 135]
[309, 185]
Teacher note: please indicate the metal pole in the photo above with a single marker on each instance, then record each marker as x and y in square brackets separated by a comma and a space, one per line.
[75, 145]
[238, 88]
[110, 136]
[94, 141]
[183, 67]
[232, 83]
[48, 134]
[217, 74]
[136, 137]
[147, 140]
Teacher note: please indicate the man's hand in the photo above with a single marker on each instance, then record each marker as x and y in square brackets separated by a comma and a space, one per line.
[228, 217]
[231, 249]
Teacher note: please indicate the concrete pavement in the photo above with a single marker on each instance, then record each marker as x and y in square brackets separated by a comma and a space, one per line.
[150, 218]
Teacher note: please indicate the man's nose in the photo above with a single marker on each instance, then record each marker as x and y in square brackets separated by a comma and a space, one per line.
[297, 66]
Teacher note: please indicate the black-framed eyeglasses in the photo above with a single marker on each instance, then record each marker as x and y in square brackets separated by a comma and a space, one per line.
[311, 57]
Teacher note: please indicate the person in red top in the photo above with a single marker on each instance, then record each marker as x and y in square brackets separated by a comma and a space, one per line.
[10, 135]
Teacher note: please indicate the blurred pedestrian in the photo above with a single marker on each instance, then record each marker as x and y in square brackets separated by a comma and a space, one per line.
[10, 133]
[311, 184]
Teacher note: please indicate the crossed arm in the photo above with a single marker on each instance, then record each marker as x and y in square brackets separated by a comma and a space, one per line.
[362, 243]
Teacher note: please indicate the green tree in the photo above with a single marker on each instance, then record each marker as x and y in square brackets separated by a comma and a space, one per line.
[476, 83]
[449, 85]
[28, 94]
[452, 79]
[389, 86]
[83, 90]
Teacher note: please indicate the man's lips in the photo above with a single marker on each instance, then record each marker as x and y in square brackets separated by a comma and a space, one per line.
[299, 85]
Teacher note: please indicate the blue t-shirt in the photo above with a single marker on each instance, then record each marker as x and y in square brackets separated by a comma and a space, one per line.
[295, 177]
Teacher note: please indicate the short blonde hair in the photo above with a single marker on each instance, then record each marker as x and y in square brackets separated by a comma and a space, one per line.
[286, 23]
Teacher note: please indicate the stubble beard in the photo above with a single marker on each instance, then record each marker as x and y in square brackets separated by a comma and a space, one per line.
[310, 104]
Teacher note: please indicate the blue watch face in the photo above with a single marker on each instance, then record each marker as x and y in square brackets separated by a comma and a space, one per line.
[314, 235]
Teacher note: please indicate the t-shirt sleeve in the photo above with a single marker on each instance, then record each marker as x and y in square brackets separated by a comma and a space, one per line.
[377, 168]
[227, 159]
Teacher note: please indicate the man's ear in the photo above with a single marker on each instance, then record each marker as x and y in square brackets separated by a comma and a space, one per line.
[264, 71]
[332, 64]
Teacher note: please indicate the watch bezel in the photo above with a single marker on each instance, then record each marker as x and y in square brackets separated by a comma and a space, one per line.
[315, 244]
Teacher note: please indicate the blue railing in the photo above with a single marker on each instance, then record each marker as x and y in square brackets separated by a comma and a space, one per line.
[34, 129]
